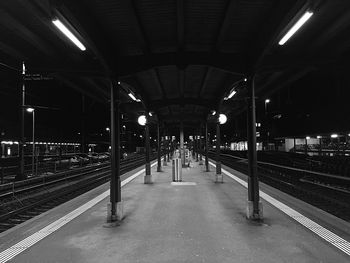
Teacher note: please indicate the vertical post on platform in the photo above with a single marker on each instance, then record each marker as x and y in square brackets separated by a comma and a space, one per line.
[83, 125]
[159, 164]
[295, 146]
[200, 146]
[206, 148]
[21, 175]
[182, 148]
[196, 146]
[148, 176]
[254, 208]
[115, 207]
[218, 159]
[165, 148]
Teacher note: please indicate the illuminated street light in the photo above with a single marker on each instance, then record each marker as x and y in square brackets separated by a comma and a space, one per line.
[142, 120]
[108, 129]
[31, 110]
[334, 136]
[222, 118]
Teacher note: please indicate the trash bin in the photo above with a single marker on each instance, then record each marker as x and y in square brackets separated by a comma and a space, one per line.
[177, 170]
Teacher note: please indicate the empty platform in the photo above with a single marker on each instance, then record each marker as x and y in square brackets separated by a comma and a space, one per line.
[197, 221]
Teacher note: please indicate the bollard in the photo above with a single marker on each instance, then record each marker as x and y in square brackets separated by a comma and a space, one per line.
[177, 170]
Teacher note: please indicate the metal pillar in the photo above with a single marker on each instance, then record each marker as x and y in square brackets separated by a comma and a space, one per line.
[115, 207]
[165, 149]
[159, 150]
[218, 159]
[33, 140]
[254, 208]
[206, 148]
[148, 176]
[196, 147]
[200, 146]
[21, 175]
[83, 125]
[182, 148]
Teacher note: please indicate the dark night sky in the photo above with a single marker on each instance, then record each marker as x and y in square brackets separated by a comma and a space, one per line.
[317, 103]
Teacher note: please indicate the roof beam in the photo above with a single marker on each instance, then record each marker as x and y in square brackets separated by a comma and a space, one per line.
[146, 48]
[94, 36]
[204, 81]
[180, 19]
[99, 89]
[282, 13]
[22, 31]
[180, 101]
[230, 7]
[157, 78]
[78, 88]
[234, 63]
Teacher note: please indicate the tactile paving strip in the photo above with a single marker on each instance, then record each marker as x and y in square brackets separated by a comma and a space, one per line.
[319, 230]
[26, 243]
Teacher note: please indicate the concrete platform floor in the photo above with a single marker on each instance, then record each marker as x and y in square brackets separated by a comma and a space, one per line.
[202, 222]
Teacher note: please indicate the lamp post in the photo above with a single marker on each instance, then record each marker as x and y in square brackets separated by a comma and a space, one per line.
[32, 111]
[267, 101]
[221, 120]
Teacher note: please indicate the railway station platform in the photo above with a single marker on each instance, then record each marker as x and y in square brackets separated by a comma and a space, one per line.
[197, 220]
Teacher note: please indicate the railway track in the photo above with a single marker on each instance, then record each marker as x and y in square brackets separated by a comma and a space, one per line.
[32, 198]
[333, 200]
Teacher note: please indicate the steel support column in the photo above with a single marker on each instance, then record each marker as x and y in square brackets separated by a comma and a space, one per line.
[159, 150]
[115, 208]
[21, 175]
[182, 147]
[206, 148]
[200, 146]
[254, 209]
[148, 176]
[218, 159]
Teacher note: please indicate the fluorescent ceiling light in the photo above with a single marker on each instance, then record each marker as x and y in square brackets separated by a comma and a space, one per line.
[232, 93]
[132, 96]
[296, 27]
[213, 112]
[68, 34]
[150, 114]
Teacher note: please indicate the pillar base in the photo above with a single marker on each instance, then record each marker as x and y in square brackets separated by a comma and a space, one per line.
[251, 215]
[147, 179]
[217, 178]
[119, 213]
[159, 168]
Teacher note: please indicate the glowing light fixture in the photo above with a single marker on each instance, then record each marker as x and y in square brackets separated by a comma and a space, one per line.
[142, 120]
[295, 27]
[213, 112]
[30, 110]
[68, 34]
[232, 93]
[319, 137]
[132, 96]
[222, 118]
[267, 101]
[150, 114]
[108, 129]
[334, 135]
[307, 137]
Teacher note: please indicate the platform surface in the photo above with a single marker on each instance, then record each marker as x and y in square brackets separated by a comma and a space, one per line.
[201, 221]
